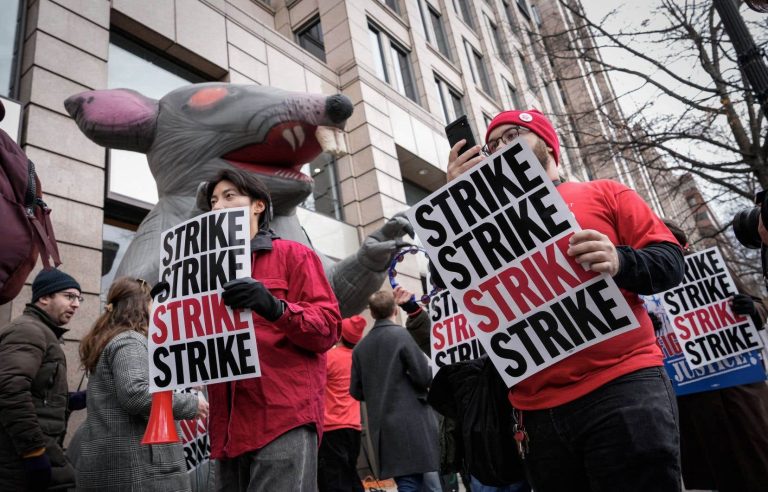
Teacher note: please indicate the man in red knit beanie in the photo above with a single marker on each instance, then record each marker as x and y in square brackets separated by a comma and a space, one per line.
[604, 418]
[337, 457]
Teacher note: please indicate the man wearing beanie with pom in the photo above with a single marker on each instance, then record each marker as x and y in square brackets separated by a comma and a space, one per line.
[33, 388]
[337, 457]
[604, 418]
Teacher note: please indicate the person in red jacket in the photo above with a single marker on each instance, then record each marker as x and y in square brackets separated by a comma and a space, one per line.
[337, 460]
[265, 430]
[604, 418]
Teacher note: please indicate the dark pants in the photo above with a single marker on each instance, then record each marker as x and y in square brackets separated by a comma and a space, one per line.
[622, 436]
[724, 439]
[337, 461]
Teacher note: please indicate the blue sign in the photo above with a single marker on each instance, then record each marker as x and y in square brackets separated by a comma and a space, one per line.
[740, 369]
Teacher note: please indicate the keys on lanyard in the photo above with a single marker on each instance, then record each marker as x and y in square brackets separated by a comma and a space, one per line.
[520, 434]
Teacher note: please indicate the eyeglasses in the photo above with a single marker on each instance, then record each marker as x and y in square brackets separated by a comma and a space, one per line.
[72, 297]
[509, 135]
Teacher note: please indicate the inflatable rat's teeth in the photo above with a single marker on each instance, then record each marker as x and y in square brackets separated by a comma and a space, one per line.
[299, 132]
[331, 140]
[288, 136]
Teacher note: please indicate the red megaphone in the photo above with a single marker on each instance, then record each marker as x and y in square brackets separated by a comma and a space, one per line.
[161, 428]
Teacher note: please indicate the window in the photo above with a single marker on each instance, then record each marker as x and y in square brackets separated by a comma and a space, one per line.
[325, 198]
[494, 35]
[451, 102]
[377, 49]
[403, 74]
[510, 16]
[462, 7]
[392, 4]
[414, 193]
[129, 175]
[437, 25]
[487, 120]
[477, 64]
[10, 47]
[562, 92]
[513, 98]
[692, 202]
[310, 37]
[528, 71]
[522, 5]
[536, 15]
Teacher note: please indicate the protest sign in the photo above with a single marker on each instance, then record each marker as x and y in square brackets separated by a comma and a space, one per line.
[700, 310]
[194, 438]
[498, 236]
[451, 338]
[194, 338]
[731, 371]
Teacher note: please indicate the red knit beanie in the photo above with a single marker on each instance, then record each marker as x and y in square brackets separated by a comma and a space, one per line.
[352, 328]
[533, 120]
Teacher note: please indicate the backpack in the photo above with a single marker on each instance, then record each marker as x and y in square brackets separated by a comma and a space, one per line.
[473, 393]
[25, 229]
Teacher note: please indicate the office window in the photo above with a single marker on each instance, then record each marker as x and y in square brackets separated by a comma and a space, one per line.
[414, 193]
[437, 25]
[10, 47]
[477, 64]
[393, 5]
[522, 5]
[403, 76]
[451, 102]
[487, 120]
[463, 9]
[528, 71]
[325, 197]
[310, 37]
[536, 15]
[377, 49]
[513, 98]
[510, 16]
[494, 35]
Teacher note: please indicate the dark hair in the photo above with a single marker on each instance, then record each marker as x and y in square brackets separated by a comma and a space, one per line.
[247, 184]
[677, 231]
[382, 304]
[127, 309]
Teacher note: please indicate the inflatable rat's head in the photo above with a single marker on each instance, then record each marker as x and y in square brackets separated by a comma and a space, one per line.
[196, 130]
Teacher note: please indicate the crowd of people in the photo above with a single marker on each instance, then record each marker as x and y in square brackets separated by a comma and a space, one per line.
[604, 419]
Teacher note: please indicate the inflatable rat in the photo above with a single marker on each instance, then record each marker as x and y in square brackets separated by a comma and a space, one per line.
[196, 130]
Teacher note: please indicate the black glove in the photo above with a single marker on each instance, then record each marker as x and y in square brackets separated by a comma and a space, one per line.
[247, 293]
[410, 306]
[657, 325]
[743, 304]
[77, 400]
[38, 472]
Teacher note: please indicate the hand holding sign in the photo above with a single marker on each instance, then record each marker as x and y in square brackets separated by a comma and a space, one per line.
[247, 293]
[595, 251]
[743, 304]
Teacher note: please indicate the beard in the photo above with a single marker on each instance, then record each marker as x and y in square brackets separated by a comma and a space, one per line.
[541, 152]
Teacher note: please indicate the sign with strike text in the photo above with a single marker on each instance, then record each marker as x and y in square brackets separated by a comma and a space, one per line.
[451, 338]
[194, 338]
[498, 236]
[700, 310]
[732, 371]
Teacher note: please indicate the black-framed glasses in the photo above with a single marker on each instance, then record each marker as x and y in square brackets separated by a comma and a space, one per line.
[506, 137]
[72, 297]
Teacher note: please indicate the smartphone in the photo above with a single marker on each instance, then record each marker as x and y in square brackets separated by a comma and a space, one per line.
[460, 129]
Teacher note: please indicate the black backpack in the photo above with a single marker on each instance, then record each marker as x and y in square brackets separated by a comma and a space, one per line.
[474, 394]
[25, 229]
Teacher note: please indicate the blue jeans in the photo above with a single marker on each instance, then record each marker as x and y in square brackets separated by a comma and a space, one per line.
[622, 436]
[478, 486]
[409, 483]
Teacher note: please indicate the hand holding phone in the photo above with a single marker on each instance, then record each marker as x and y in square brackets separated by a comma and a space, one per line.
[461, 161]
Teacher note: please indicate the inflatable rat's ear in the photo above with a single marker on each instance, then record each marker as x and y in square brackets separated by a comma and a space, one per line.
[116, 118]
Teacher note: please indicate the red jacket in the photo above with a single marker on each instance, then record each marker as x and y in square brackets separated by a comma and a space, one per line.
[248, 414]
[341, 410]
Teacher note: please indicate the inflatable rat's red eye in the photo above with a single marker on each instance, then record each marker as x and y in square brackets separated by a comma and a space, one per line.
[207, 97]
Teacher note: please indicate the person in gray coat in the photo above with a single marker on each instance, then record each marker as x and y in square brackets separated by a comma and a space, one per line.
[391, 375]
[111, 456]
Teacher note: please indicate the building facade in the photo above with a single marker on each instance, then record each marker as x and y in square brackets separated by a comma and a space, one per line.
[409, 67]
